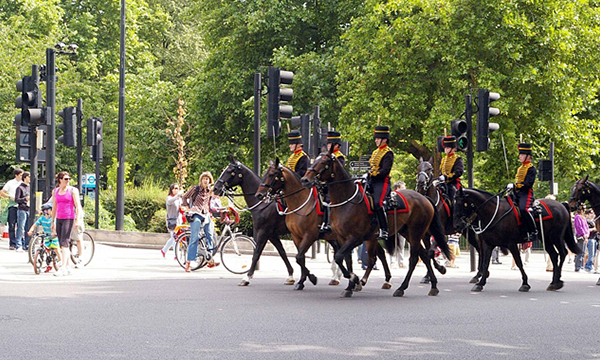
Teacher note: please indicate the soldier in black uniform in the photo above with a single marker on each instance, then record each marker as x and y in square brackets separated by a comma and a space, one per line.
[334, 141]
[523, 189]
[298, 161]
[378, 178]
[452, 167]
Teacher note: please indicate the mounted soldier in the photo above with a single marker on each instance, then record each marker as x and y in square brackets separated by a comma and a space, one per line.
[378, 178]
[452, 167]
[298, 161]
[523, 189]
[334, 141]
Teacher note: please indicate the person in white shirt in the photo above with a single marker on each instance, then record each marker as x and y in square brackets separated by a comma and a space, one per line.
[8, 191]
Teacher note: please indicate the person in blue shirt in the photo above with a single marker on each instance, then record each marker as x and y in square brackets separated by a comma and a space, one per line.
[45, 222]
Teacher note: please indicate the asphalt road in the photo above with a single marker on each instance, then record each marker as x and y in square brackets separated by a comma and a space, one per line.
[132, 304]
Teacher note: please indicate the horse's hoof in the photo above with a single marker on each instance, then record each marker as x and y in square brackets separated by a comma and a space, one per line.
[598, 283]
[474, 280]
[363, 282]
[425, 280]
[386, 286]
[358, 287]
[433, 292]
[554, 287]
[442, 270]
[299, 286]
[312, 278]
[244, 283]
[334, 282]
[399, 293]
[289, 281]
[346, 294]
[477, 288]
[524, 288]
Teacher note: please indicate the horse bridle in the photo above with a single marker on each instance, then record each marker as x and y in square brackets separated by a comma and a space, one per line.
[325, 167]
[586, 192]
[470, 218]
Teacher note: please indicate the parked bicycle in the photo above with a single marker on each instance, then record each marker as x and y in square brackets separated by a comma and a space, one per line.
[235, 249]
[88, 248]
[44, 257]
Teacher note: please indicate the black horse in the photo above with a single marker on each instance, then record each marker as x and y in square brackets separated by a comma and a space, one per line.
[426, 186]
[585, 190]
[498, 225]
[268, 225]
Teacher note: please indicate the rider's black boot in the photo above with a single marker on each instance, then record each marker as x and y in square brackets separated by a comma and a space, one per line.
[383, 224]
[325, 229]
[532, 232]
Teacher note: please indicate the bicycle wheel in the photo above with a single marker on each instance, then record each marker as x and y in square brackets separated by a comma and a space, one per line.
[237, 252]
[39, 261]
[181, 248]
[34, 244]
[87, 253]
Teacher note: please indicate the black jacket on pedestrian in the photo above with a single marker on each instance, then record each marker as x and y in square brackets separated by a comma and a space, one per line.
[21, 195]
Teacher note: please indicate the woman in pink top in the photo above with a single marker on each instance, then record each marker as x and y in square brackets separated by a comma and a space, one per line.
[65, 208]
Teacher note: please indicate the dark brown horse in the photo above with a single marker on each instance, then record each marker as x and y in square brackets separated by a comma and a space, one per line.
[352, 221]
[303, 218]
[494, 219]
[427, 187]
[267, 224]
[585, 190]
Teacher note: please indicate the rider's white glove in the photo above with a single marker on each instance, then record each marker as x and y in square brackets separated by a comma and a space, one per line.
[510, 186]
[365, 175]
[442, 178]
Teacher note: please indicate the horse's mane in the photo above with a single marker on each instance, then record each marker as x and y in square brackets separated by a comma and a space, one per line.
[595, 186]
[481, 192]
[298, 177]
[336, 160]
[247, 169]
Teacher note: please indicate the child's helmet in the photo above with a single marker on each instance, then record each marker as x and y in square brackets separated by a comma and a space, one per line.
[47, 206]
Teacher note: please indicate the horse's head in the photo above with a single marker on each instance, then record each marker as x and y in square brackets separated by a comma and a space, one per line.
[424, 176]
[273, 181]
[230, 177]
[580, 192]
[321, 170]
[464, 208]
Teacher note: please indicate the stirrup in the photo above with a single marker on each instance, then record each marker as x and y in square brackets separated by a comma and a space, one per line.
[383, 234]
[325, 228]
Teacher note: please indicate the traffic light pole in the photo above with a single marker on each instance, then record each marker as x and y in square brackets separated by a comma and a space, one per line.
[552, 167]
[79, 144]
[468, 117]
[257, 93]
[120, 208]
[50, 126]
[33, 157]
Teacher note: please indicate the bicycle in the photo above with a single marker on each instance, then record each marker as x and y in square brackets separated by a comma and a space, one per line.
[44, 256]
[88, 244]
[236, 250]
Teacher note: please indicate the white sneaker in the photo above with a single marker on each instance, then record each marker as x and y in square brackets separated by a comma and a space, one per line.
[60, 272]
[20, 250]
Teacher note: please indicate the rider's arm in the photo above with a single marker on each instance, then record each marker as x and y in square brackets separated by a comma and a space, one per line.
[529, 179]
[302, 166]
[385, 166]
[457, 170]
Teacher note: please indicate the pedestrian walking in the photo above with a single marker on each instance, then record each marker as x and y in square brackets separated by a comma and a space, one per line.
[9, 215]
[173, 203]
[22, 200]
[65, 210]
[582, 231]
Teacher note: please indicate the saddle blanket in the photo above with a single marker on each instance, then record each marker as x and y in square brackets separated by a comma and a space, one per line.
[537, 207]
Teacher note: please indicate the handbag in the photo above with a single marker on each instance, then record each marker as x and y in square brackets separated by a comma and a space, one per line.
[171, 223]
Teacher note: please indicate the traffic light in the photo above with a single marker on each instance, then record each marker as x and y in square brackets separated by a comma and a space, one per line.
[69, 127]
[30, 102]
[276, 110]
[484, 112]
[460, 129]
[94, 138]
[545, 167]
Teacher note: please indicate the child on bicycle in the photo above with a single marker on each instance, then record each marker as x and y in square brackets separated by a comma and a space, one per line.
[45, 222]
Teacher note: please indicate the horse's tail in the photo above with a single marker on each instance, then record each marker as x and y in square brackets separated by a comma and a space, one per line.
[569, 234]
[436, 229]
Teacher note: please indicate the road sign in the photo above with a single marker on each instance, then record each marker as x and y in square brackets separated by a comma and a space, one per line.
[359, 165]
[89, 181]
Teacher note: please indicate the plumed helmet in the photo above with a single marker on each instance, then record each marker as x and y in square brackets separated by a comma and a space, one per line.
[294, 137]
[449, 141]
[525, 148]
[382, 132]
[334, 137]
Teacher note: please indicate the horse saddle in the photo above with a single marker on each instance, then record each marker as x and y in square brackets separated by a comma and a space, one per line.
[396, 203]
[538, 207]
